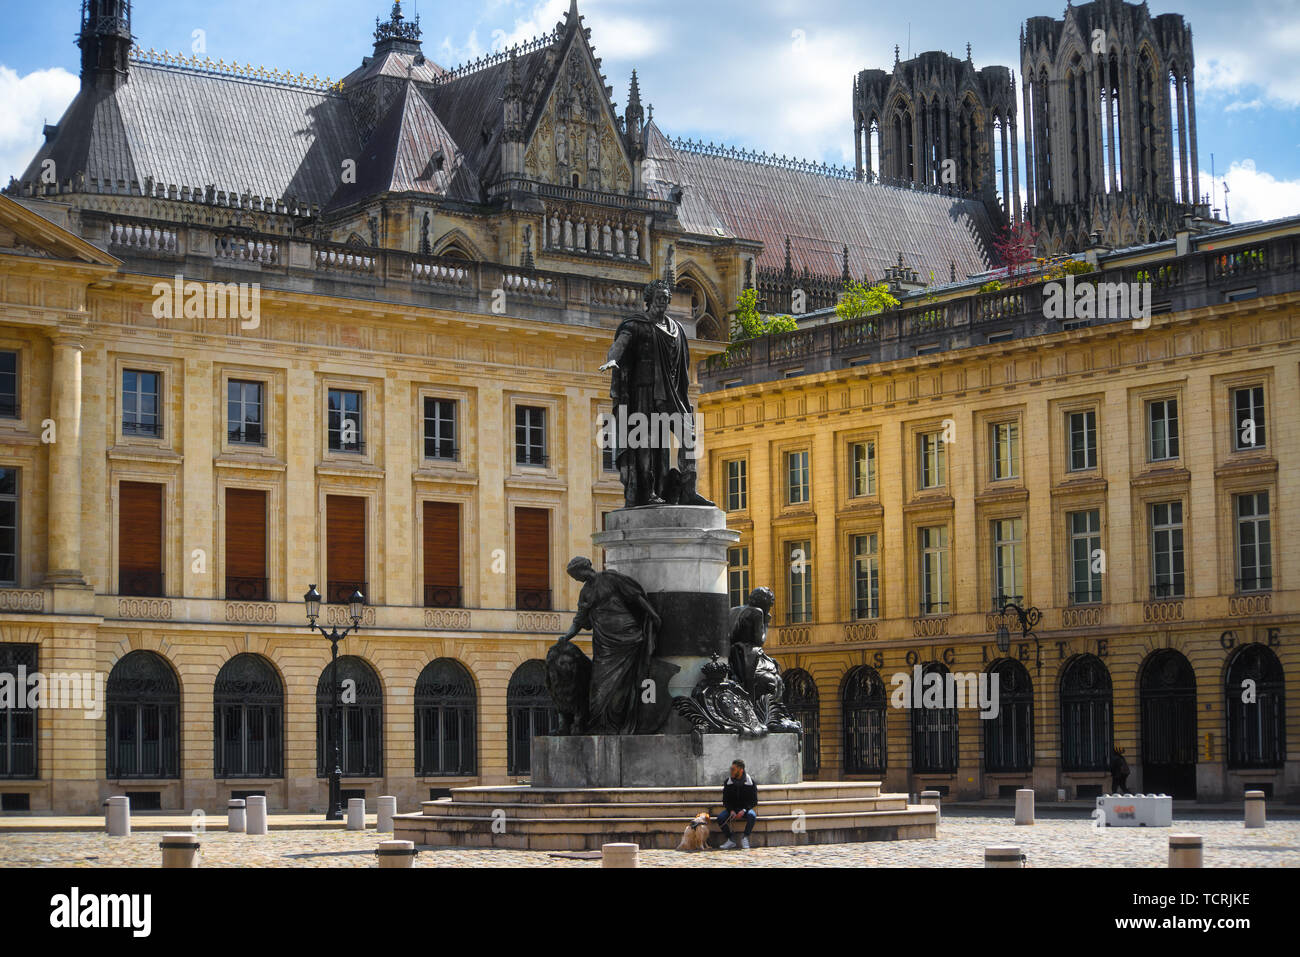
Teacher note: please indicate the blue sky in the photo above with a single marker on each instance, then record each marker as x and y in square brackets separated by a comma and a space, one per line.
[773, 75]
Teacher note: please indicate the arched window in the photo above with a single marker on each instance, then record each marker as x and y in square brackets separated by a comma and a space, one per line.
[362, 719]
[863, 701]
[802, 702]
[529, 712]
[143, 718]
[934, 730]
[248, 719]
[18, 722]
[1009, 737]
[1168, 692]
[1256, 728]
[873, 149]
[445, 721]
[1086, 715]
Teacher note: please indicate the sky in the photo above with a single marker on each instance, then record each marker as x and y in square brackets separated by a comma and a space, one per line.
[768, 75]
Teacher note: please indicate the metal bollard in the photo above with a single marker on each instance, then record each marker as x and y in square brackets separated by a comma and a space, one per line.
[356, 814]
[180, 850]
[396, 853]
[935, 800]
[1003, 855]
[255, 816]
[1254, 809]
[236, 817]
[1025, 806]
[119, 817]
[619, 855]
[387, 808]
[1185, 850]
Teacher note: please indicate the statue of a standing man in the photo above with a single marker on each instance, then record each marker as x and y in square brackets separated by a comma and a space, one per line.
[650, 360]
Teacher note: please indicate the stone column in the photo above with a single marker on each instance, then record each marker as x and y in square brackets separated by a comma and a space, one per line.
[1184, 182]
[1191, 137]
[64, 565]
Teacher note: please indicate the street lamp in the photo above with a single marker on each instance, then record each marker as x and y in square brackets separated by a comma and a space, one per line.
[356, 607]
[1028, 619]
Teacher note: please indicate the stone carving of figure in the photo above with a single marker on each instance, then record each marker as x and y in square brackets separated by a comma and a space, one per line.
[755, 671]
[582, 235]
[593, 149]
[568, 233]
[636, 245]
[562, 144]
[650, 360]
[555, 230]
[607, 239]
[623, 627]
[620, 242]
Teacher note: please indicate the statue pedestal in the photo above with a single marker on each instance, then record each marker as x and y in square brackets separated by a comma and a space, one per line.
[661, 760]
[678, 554]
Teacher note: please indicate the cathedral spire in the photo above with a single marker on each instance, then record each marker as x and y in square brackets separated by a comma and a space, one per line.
[398, 34]
[105, 42]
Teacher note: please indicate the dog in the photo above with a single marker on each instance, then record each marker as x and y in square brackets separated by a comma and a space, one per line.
[696, 835]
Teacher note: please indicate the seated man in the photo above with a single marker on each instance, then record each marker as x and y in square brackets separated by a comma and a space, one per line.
[739, 797]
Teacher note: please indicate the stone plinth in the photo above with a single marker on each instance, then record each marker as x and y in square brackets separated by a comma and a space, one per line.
[678, 554]
[661, 760]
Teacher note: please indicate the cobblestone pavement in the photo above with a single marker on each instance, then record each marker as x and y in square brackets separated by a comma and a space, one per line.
[961, 842]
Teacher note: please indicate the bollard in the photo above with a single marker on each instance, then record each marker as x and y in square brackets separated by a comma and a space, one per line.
[180, 850]
[396, 853]
[1060, 794]
[619, 855]
[356, 814]
[1185, 850]
[1003, 855]
[255, 816]
[935, 800]
[119, 817]
[387, 808]
[1254, 809]
[1025, 806]
[236, 817]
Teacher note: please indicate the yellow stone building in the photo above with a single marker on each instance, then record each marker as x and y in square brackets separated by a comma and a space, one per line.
[900, 479]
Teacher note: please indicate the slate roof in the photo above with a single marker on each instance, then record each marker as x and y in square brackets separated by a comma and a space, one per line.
[724, 196]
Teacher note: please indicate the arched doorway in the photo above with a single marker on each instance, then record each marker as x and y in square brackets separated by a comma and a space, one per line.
[1168, 697]
[1086, 715]
[143, 718]
[802, 701]
[529, 712]
[248, 719]
[362, 720]
[1256, 727]
[934, 731]
[863, 705]
[445, 704]
[1009, 736]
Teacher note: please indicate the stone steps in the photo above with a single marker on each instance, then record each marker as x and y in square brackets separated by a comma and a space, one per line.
[675, 810]
[507, 795]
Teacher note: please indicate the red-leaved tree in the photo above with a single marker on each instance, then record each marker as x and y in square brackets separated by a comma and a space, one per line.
[1015, 246]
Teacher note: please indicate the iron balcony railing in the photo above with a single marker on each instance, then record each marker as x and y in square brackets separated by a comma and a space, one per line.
[153, 430]
[443, 596]
[340, 592]
[246, 589]
[532, 599]
[1173, 589]
[247, 435]
[140, 582]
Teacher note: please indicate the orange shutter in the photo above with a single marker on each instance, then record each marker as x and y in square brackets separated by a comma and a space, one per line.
[442, 544]
[532, 549]
[245, 533]
[345, 544]
[140, 527]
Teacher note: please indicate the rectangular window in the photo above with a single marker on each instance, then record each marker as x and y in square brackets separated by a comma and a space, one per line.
[345, 548]
[797, 485]
[9, 527]
[1008, 562]
[440, 430]
[934, 570]
[737, 485]
[609, 454]
[140, 539]
[141, 414]
[1254, 543]
[738, 575]
[442, 588]
[1167, 579]
[17, 721]
[862, 469]
[346, 432]
[530, 436]
[1248, 412]
[798, 557]
[1162, 418]
[866, 577]
[1005, 451]
[244, 413]
[532, 559]
[246, 545]
[9, 405]
[933, 460]
[1085, 553]
[1083, 440]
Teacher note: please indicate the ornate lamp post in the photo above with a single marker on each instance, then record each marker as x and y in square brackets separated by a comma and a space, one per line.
[356, 607]
[1028, 619]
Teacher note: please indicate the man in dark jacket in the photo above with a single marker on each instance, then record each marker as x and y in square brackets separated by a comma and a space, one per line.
[1118, 772]
[739, 797]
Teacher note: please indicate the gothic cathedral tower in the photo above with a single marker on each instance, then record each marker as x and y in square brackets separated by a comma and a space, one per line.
[1110, 126]
[105, 42]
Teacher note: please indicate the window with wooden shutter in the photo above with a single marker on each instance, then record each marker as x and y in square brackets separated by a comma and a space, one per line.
[345, 547]
[246, 545]
[442, 587]
[140, 539]
[533, 559]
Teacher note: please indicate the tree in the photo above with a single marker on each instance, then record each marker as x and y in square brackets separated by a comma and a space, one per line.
[861, 300]
[750, 323]
[1015, 246]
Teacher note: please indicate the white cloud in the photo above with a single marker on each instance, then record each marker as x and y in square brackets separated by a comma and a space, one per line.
[1254, 194]
[1240, 105]
[26, 104]
[1265, 58]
